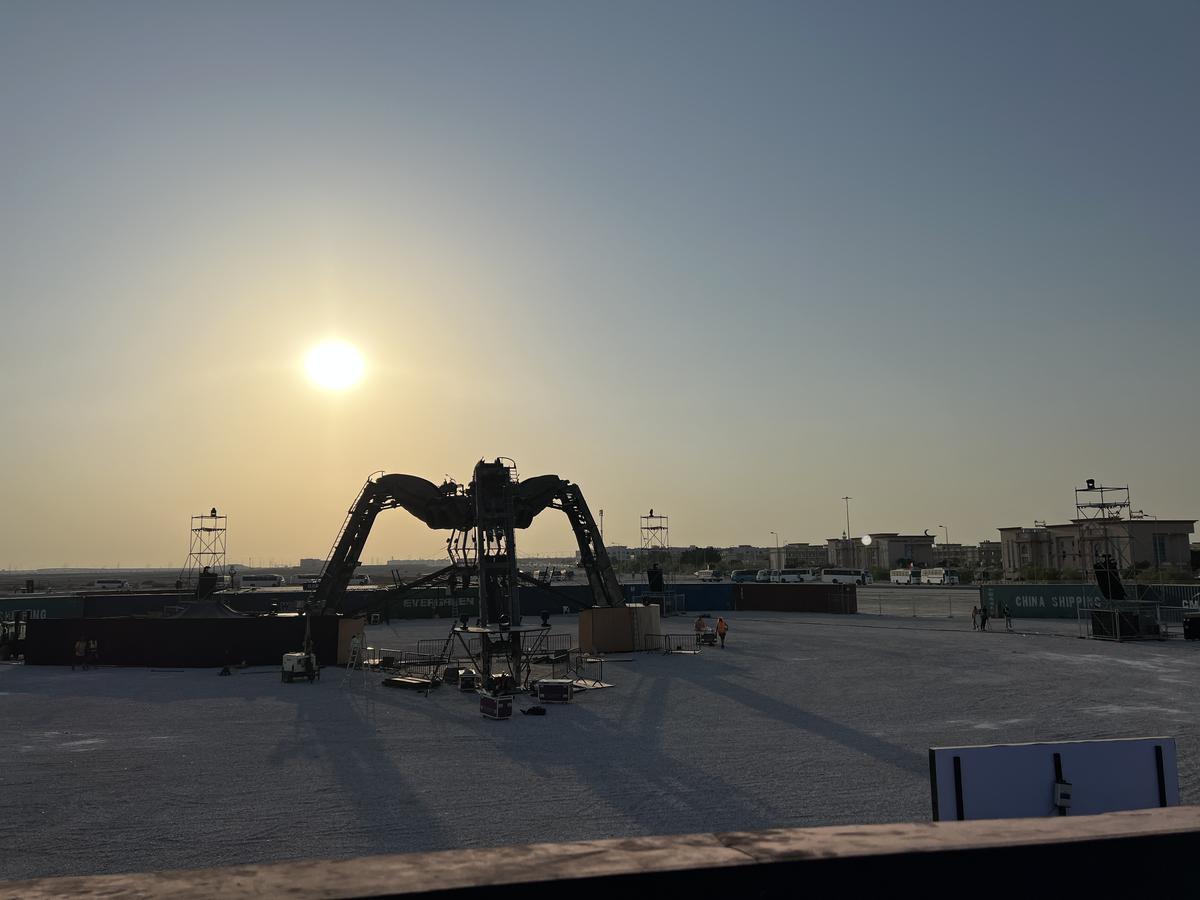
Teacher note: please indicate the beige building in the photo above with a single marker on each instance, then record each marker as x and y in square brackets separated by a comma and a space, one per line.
[990, 556]
[743, 555]
[1080, 543]
[887, 550]
[964, 557]
[806, 556]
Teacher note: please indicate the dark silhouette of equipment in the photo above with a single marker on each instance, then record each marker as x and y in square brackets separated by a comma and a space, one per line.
[12, 636]
[654, 579]
[206, 584]
[1108, 579]
[483, 518]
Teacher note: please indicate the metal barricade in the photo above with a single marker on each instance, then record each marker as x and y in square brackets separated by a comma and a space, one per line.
[681, 643]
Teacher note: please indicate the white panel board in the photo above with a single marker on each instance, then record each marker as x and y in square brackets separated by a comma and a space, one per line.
[1006, 781]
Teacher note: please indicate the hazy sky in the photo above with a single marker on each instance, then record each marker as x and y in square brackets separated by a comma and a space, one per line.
[731, 261]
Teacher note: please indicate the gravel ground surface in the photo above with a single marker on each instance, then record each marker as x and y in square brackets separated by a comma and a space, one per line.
[802, 720]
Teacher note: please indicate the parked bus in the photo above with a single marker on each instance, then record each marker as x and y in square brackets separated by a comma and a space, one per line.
[767, 576]
[906, 576]
[360, 579]
[738, 576]
[939, 576]
[257, 581]
[845, 576]
[799, 576]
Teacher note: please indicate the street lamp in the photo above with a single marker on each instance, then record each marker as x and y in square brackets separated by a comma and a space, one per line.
[947, 532]
[849, 540]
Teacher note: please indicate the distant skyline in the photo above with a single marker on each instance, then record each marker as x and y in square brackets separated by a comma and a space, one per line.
[729, 261]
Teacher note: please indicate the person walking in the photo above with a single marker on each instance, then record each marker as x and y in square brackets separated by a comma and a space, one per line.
[80, 658]
[722, 629]
[701, 625]
[974, 618]
[1007, 619]
[983, 617]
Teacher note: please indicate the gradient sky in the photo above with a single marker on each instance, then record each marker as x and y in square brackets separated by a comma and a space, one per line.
[731, 261]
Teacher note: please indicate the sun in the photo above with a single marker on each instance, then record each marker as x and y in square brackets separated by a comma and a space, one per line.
[334, 365]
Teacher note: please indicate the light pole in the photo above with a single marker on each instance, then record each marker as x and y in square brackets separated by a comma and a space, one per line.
[945, 558]
[849, 537]
[778, 562]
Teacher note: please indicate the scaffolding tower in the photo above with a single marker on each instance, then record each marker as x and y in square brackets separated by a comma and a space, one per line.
[1102, 514]
[206, 549]
[656, 535]
[656, 542]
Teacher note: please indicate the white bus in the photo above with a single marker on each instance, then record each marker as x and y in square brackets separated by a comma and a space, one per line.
[798, 576]
[939, 576]
[906, 576]
[845, 576]
[767, 576]
[256, 581]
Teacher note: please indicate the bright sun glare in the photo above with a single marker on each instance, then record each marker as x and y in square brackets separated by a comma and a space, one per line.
[334, 365]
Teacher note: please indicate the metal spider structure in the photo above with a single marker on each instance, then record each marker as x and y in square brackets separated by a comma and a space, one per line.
[483, 518]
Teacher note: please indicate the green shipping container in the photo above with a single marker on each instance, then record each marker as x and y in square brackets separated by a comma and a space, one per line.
[1040, 601]
[42, 606]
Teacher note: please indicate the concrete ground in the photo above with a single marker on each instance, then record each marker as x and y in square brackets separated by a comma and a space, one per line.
[802, 720]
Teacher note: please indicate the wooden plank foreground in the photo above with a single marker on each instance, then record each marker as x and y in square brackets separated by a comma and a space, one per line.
[757, 863]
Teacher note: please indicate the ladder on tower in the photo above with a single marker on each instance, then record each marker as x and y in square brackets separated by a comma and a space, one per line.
[355, 661]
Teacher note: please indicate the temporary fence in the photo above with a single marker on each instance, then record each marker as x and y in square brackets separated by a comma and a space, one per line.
[1136, 621]
[539, 648]
[918, 603]
[1186, 596]
[1171, 619]
[688, 642]
[404, 662]
[549, 648]
[1127, 622]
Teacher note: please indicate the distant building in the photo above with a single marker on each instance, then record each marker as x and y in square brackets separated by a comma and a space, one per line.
[964, 557]
[744, 554]
[309, 564]
[990, 559]
[1079, 544]
[618, 553]
[887, 550]
[806, 556]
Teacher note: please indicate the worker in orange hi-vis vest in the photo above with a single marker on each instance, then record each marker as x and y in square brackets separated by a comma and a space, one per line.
[722, 628]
